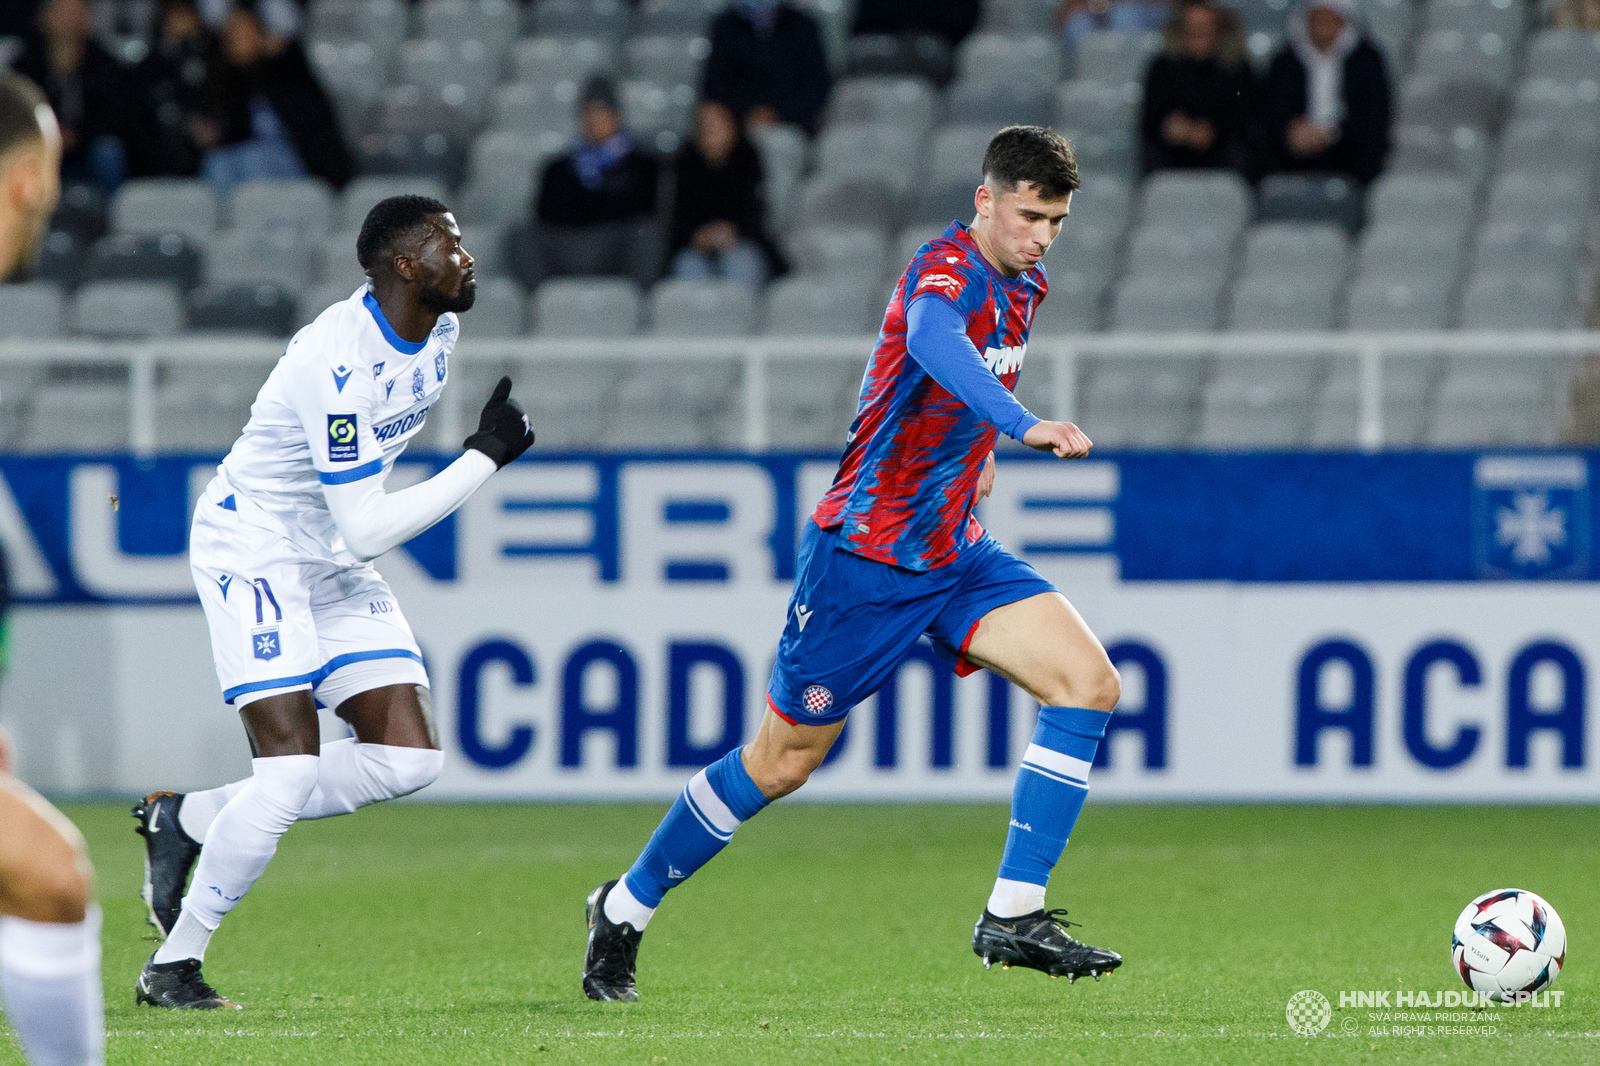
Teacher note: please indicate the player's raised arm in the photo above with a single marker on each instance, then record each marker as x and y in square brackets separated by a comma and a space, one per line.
[373, 521]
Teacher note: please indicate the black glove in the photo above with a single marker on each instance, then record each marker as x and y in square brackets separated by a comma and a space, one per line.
[503, 430]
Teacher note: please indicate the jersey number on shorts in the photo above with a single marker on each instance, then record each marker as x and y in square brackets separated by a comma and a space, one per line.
[264, 637]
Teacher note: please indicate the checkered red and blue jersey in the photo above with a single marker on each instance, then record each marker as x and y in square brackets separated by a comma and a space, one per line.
[904, 491]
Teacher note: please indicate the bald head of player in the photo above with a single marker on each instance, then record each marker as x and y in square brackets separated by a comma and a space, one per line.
[1029, 176]
[410, 247]
[30, 169]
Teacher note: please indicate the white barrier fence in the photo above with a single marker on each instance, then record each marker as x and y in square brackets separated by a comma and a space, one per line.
[753, 354]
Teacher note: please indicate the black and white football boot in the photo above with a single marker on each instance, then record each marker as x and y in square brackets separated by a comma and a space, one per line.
[169, 855]
[1040, 941]
[178, 986]
[612, 953]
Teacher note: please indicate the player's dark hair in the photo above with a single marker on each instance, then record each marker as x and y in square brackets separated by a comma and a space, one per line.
[19, 110]
[388, 223]
[1035, 154]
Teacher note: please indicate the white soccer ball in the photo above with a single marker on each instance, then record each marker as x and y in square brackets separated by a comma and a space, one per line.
[1508, 941]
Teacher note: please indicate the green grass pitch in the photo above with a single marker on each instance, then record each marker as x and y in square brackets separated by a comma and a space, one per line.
[449, 934]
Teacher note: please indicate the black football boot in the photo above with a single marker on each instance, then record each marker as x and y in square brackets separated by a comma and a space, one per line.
[613, 951]
[169, 855]
[1040, 941]
[178, 986]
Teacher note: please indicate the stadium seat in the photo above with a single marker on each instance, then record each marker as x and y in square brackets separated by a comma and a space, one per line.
[1389, 22]
[957, 154]
[673, 403]
[301, 204]
[1563, 56]
[1096, 105]
[243, 308]
[1165, 251]
[1476, 17]
[667, 59]
[1557, 100]
[660, 114]
[1141, 401]
[701, 309]
[606, 19]
[809, 306]
[937, 204]
[1087, 247]
[271, 257]
[1165, 304]
[362, 194]
[1177, 199]
[893, 100]
[1407, 383]
[1113, 152]
[1515, 300]
[1308, 198]
[1523, 196]
[1019, 16]
[1512, 247]
[451, 110]
[1461, 149]
[318, 298]
[1115, 58]
[539, 109]
[492, 22]
[1401, 249]
[553, 59]
[1398, 302]
[675, 16]
[80, 212]
[1544, 146]
[59, 260]
[1258, 402]
[352, 72]
[1494, 400]
[921, 56]
[783, 152]
[77, 418]
[165, 205]
[811, 402]
[1104, 199]
[458, 72]
[204, 409]
[34, 310]
[873, 152]
[378, 23]
[571, 404]
[134, 257]
[1316, 253]
[336, 260]
[828, 200]
[905, 246]
[1432, 100]
[128, 309]
[496, 310]
[421, 155]
[1420, 199]
[1282, 303]
[846, 254]
[487, 246]
[991, 58]
[998, 104]
[1466, 57]
[501, 174]
[1073, 304]
[587, 307]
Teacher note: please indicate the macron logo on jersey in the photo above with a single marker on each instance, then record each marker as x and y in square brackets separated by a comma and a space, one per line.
[1004, 360]
[341, 374]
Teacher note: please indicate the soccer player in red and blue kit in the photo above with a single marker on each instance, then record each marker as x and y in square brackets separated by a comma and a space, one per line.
[893, 553]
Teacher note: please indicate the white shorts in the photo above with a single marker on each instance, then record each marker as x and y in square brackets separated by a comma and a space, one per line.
[283, 621]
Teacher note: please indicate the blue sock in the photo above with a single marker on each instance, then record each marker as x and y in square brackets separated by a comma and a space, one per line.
[1052, 784]
[700, 823]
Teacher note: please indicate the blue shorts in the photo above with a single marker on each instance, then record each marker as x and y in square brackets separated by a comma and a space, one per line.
[852, 620]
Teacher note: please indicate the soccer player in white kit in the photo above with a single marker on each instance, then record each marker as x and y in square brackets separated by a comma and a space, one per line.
[281, 550]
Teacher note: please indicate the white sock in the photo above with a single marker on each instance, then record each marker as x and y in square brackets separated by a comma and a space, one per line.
[243, 839]
[352, 775]
[1013, 899]
[622, 907]
[199, 809]
[188, 940]
[50, 974]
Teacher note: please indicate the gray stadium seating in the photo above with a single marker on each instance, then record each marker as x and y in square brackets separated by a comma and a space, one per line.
[353, 72]
[1386, 303]
[1563, 56]
[1406, 384]
[1256, 402]
[675, 16]
[811, 402]
[1283, 302]
[1019, 16]
[830, 199]
[486, 245]
[701, 308]
[1493, 400]
[1114, 57]
[1417, 250]
[571, 59]
[496, 310]
[493, 22]
[128, 309]
[1096, 105]
[659, 113]
[537, 109]
[1529, 247]
[318, 298]
[1178, 198]
[35, 310]
[1511, 299]
[854, 255]
[243, 308]
[571, 404]
[169, 257]
[362, 194]
[997, 104]
[1087, 247]
[1182, 251]
[818, 307]
[381, 24]
[667, 59]
[1073, 304]
[304, 204]
[1461, 148]
[994, 58]
[1316, 253]
[1141, 401]
[607, 19]
[469, 68]
[272, 257]
[1390, 23]
[165, 205]
[673, 403]
[336, 256]
[871, 152]
[1475, 17]
[77, 418]
[906, 102]
[1165, 304]
[586, 307]
[1465, 57]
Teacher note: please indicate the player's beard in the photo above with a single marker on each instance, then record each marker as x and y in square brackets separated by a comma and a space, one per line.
[434, 298]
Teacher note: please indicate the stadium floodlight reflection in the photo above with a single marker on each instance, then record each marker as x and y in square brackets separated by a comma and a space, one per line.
[749, 358]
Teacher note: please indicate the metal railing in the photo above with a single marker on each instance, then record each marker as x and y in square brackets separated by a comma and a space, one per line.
[1062, 355]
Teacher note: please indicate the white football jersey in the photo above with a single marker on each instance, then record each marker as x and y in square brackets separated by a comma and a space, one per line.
[340, 406]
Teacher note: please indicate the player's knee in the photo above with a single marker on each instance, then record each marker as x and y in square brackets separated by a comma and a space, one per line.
[56, 885]
[1098, 688]
[785, 774]
[412, 769]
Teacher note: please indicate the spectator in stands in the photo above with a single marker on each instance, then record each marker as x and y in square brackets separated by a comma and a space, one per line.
[950, 19]
[102, 134]
[1574, 15]
[594, 199]
[269, 118]
[1327, 99]
[173, 77]
[717, 230]
[767, 65]
[1198, 93]
[1078, 18]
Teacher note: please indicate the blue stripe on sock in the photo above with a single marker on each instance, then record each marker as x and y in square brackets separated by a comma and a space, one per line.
[686, 839]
